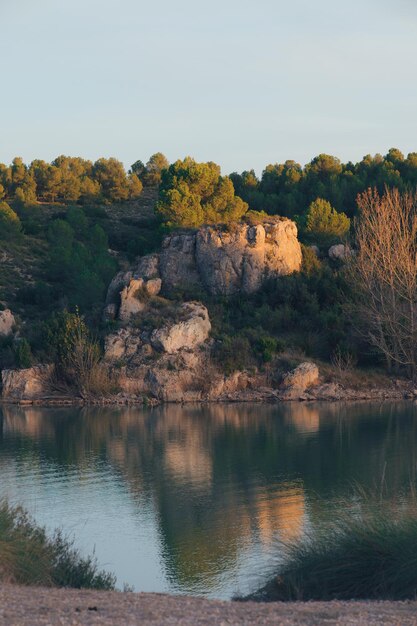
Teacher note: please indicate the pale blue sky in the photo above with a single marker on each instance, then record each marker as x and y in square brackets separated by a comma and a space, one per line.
[241, 83]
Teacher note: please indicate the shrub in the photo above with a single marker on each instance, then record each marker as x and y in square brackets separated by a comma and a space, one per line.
[362, 555]
[324, 224]
[9, 221]
[24, 356]
[78, 356]
[29, 557]
[233, 353]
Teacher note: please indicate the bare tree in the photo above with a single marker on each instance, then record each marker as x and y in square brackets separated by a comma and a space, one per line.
[383, 274]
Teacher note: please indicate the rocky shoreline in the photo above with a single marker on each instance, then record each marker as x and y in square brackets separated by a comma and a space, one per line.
[326, 392]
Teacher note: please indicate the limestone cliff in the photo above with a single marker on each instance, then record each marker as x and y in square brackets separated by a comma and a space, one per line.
[222, 262]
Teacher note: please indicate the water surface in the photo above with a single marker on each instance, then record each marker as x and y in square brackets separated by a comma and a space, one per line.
[193, 499]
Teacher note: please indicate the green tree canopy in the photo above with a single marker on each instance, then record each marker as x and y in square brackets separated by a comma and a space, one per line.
[192, 194]
[151, 176]
[324, 224]
[111, 175]
[9, 221]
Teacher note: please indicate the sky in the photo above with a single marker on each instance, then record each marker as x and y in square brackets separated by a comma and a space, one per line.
[240, 83]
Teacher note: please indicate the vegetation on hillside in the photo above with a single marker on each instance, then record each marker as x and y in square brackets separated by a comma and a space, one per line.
[68, 226]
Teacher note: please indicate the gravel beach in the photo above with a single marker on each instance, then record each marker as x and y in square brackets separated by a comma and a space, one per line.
[28, 606]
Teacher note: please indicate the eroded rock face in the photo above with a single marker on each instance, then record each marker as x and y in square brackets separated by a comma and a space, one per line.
[227, 262]
[122, 345]
[188, 333]
[241, 260]
[178, 265]
[299, 379]
[26, 384]
[7, 322]
[134, 296]
[223, 262]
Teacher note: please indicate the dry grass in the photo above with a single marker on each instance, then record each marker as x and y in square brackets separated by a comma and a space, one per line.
[29, 557]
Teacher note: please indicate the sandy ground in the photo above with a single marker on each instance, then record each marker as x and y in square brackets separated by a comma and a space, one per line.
[53, 607]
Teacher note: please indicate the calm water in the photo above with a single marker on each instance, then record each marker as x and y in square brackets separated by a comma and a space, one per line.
[193, 499]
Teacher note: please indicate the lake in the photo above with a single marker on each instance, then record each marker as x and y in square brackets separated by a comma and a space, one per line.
[196, 498]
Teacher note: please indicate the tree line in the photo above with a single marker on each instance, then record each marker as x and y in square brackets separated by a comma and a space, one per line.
[73, 179]
[288, 188]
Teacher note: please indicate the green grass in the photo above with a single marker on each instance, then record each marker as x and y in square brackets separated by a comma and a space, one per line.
[29, 557]
[362, 555]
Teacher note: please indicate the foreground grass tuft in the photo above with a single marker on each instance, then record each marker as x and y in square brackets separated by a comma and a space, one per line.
[371, 555]
[29, 557]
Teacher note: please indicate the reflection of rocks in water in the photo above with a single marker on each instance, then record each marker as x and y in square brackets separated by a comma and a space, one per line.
[222, 476]
[29, 422]
[305, 417]
[281, 514]
[189, 463]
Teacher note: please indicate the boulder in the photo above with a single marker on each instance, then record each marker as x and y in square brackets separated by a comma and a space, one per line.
[339, 252]
[7, 323]
[299, 379]
[26, 384]
[190, 332]
[315, 249]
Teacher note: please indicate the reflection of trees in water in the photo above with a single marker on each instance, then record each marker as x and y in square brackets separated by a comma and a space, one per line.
[222, 475]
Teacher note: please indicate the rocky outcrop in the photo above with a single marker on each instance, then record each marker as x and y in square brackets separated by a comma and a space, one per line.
[7, 323]
[221, 262]
[225, 262]
[164, 351]
[134, 296]
[299, 379]
[190, 332]
[26, 384]
[166, 362]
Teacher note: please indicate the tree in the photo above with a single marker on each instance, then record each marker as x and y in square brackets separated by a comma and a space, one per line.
[135, 186]
[154, 168]
[9, 221]
[324, 224]
[383, 275]
[192, 194]
[111, 176]
[89, 190]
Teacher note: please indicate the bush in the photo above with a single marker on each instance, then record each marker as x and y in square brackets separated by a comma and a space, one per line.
[367, 555]
[24, 356]
[324, 224]
[78, 356]
[233, 353]
[9, 221]
[29, 557]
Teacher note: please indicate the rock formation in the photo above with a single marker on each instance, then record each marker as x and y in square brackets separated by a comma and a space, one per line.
[26, 384]
[298, 380]
[162, 348]
[7, 323]
[222, 262]
[190, 332]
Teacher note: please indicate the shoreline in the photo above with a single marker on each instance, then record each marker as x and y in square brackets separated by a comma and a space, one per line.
[38, 606]
[329, 392]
